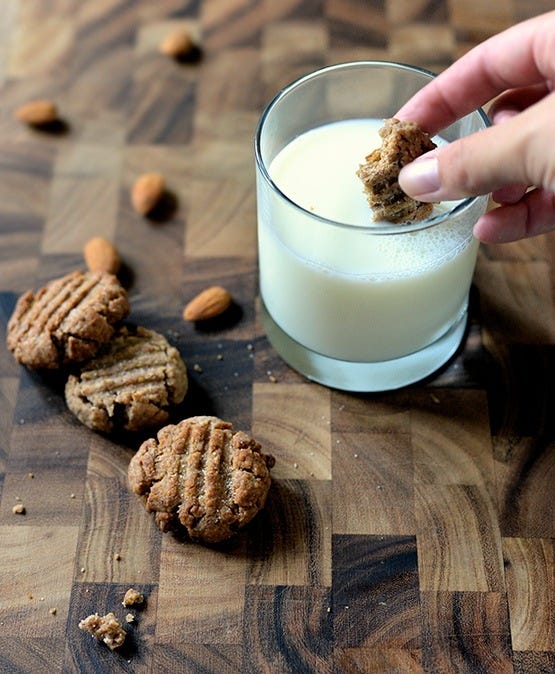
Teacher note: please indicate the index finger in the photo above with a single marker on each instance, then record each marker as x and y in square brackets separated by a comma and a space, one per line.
[517, 57]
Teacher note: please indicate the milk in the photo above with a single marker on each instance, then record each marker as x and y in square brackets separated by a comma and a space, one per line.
[342, 290]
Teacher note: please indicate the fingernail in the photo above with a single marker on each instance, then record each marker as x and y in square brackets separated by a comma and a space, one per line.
[420, 178]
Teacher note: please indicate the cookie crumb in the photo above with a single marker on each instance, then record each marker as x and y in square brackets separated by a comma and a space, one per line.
[129, 618]
[31, 475]
[19, 509]
[117, 556]
[197, 367]
[132, 597]
[53, 610]
[105, 628]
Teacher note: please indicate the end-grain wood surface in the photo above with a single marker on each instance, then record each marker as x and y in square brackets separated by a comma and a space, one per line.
[404, 533]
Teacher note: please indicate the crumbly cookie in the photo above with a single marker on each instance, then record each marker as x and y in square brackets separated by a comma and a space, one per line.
[201, 477]
[67, 320]
[402, 142]
[106, 628]
[133, 598]
[131, 384]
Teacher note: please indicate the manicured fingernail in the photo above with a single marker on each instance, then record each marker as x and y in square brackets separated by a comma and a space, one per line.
[420, 178]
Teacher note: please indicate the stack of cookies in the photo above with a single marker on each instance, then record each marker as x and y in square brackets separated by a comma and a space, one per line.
[200, 477]
[126, 379]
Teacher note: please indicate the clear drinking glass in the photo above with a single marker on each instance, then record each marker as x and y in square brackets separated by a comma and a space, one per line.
[358, 307]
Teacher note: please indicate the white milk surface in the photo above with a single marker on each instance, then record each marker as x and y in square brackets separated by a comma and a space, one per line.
[348, 293]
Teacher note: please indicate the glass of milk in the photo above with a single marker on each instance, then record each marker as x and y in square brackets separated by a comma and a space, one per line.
[348, 302]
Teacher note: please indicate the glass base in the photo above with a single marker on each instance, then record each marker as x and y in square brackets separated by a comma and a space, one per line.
[364, 377]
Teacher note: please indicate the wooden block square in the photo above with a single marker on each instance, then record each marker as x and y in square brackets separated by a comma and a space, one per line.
[454, 448]
[378, 660]
[93, 202]
[384, 413]
[430, 45]
[302, 446]
[163, 102]
[373, 484]
[529, 565]
[47, 495]
[522, 406]
[18, 258]
[136, 652]
[516, 301]
[219, 372]
[534, 661]
[288, 629]
[227, 25]
[222, 219]
[25, 604]
[465, 630]
[230, 82]
[459, 546]
[191, 575]
[376, 600]
[291, 49]
[45, 436]
[109, 552]
[524, 469]
[289, 542]
[407, 11]
[478, 21]
[357, 22]
[48, 32]
[8, 396]
[221, 658]
[26, 169]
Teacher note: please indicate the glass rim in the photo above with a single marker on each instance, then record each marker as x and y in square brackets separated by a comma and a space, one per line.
[379, 227]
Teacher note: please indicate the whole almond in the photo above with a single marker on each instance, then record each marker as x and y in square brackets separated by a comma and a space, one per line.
[208, 304]
[37, 112]
[101, 255]
[177, 43]
[147, 192]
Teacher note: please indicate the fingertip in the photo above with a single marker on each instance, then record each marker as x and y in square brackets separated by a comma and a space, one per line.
[420, 178]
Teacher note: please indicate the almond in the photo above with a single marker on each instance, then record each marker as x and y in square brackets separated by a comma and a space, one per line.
[208, 304]
[147, 192]
[179, 43]
[37, 112]
[101, 255]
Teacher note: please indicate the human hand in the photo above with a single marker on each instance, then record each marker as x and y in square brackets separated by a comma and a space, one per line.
[517, 66]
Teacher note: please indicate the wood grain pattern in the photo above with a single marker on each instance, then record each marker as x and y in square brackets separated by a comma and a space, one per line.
[405, 533]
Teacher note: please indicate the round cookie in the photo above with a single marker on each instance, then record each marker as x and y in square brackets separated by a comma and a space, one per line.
[202, 478]
[67, 320]
[131, 384]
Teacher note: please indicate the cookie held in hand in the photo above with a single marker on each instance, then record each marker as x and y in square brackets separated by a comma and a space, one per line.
[202, 478]
[130, 385]
[402, 143]
[67, 320]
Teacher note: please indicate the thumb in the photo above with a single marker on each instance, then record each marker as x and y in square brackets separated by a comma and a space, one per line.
[477, 164]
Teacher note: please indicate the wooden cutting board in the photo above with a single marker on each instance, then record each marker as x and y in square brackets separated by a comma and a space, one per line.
[407, 532]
